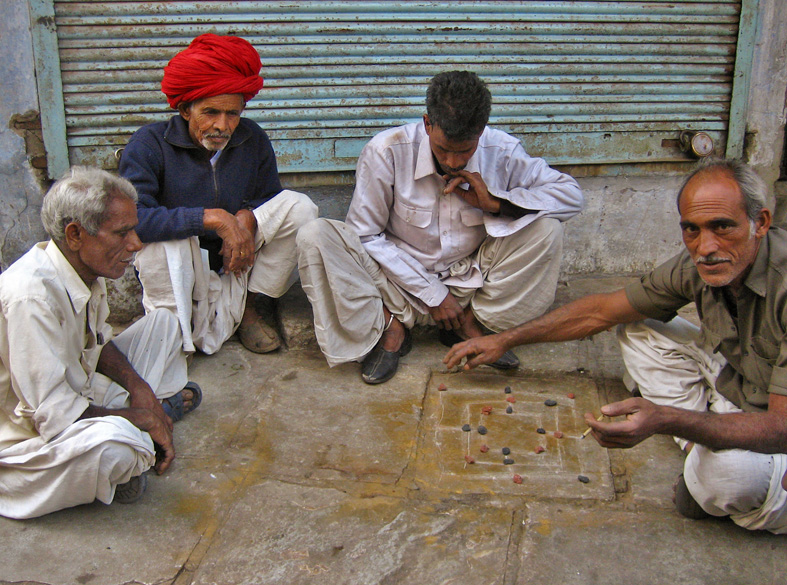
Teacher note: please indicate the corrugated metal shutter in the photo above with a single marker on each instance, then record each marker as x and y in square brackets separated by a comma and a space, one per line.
[581, 82]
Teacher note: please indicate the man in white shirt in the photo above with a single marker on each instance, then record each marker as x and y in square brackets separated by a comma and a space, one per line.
[451, 223]
[81, 416]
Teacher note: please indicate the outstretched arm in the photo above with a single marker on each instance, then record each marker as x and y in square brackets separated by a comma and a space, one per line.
[578, 319]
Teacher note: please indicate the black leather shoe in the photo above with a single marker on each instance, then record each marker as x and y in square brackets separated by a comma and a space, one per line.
[507, 361]
[380, 365]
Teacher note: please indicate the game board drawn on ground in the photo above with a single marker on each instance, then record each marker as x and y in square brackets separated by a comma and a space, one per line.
[478, 438]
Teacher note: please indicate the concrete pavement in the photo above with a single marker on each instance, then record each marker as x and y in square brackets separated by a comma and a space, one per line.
[295, 473]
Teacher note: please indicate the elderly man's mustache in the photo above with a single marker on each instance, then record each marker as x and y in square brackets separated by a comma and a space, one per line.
[711, 260]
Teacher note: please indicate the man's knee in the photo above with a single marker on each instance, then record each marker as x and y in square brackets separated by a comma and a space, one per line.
[316, 233]
[627, 332]
[162, 320]
[729, 481]
[302, 208]
[550, 229]
[545, 234]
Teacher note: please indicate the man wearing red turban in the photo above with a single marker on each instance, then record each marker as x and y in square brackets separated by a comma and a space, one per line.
[218, 229]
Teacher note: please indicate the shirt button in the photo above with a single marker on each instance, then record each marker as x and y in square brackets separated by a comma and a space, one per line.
[445, 233]
[407, 220]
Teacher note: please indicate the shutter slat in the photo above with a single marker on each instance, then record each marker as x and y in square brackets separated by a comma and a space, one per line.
[635, 70]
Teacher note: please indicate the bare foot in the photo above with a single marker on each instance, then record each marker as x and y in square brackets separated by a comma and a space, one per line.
[188, 398]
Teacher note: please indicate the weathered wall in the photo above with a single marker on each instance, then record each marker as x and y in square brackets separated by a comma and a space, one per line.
[628, 226]
[766, 115]
[767, 102]
[20, 191]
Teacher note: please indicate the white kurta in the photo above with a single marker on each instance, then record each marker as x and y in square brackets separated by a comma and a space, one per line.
[52, 331]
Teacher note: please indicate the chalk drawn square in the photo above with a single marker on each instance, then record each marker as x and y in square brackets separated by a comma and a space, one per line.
[441, 462]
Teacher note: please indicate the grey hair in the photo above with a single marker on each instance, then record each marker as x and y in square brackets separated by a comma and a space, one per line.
[82, 195]
[753, 188]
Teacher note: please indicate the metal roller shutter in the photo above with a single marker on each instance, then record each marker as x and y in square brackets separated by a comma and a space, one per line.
[581, 82]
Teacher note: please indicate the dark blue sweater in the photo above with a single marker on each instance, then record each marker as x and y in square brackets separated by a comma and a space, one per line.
[176, 182]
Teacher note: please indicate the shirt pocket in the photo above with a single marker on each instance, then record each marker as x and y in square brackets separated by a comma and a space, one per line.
[412, 216]
[757, 361]
[471, 216]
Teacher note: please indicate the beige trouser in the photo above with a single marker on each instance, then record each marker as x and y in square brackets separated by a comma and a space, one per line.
[175, 275]
[671, 368]
[347, 288]
[92, 456]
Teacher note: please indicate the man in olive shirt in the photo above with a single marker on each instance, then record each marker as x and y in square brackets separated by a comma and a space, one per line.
[721, 389]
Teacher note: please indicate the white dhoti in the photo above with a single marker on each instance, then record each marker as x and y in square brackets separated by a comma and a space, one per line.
[347, 289]
[87, 460]
[175, 275]
[671, 368]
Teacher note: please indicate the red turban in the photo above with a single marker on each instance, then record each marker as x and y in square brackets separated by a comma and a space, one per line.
[212, 65]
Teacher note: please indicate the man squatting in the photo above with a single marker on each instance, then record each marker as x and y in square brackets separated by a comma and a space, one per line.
[219, 232]
[451, 223]
[720, 389]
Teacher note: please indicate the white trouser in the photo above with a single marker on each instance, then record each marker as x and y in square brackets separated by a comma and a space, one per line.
[347, 288]
[175, 275]
[87, 460]
[671, 368]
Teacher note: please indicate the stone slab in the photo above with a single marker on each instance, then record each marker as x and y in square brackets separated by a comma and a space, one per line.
[590, 546]
[325, 424]
[280, 533]
[146, 542]
[293, 472]
[444, 447]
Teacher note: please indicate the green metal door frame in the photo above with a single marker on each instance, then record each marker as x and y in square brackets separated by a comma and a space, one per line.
[50, 87]
[747, 34]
